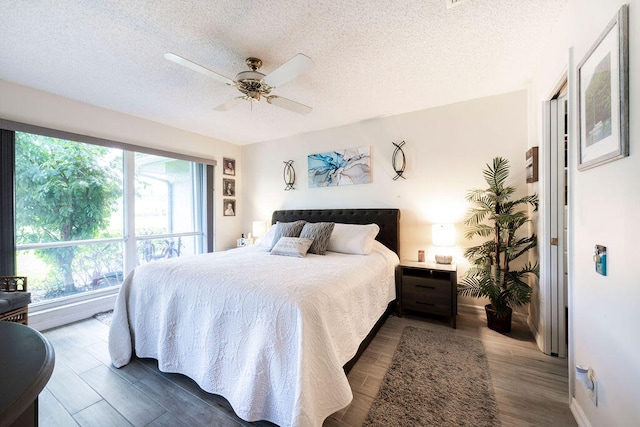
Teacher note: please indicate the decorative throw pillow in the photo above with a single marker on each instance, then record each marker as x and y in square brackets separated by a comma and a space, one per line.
[292, 246]
[267, 240]
[353, 238]
[320, 232]
[287, 229]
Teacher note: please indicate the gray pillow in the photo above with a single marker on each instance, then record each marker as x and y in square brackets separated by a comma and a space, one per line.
[320, 232]
[287, 229]
[292, 246]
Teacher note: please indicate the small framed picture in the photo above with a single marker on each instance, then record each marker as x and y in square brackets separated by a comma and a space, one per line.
[229, 207]
[229, 167]
[603, 96]
[532, 165]
[228, 187]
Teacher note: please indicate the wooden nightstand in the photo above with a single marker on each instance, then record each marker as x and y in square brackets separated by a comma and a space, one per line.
[429, 288]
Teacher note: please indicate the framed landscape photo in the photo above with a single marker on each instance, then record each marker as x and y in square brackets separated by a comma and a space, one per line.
[603, 96]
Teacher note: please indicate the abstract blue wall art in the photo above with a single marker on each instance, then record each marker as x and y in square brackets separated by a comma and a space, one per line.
[344, 167]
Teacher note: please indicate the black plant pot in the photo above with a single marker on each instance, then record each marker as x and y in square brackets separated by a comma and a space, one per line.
[498, 324]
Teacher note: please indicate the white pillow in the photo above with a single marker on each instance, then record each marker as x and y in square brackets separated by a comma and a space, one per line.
[292, 246]
[353, 238]
[267, 240]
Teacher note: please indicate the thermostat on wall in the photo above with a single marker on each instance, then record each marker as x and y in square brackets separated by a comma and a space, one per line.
[600, 259]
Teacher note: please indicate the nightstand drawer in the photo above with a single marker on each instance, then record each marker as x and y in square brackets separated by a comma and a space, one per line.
[429, 295]
[428, 306]
[433, 287]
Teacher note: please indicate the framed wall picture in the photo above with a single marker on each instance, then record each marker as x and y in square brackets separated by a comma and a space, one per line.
[229, 206]
[532, 165]
[228, 187]
[603, 96]
[228, 166]
[341, 167]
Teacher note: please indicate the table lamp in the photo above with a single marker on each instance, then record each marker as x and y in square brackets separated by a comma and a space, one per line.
[259, 229]
[443, 236]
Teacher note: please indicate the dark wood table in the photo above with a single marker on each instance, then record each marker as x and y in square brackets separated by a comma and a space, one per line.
[26, 364]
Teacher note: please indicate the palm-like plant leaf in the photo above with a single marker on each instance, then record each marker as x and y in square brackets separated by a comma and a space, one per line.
[524, 245]
[531, 199]
[482, 230]
[497, 174]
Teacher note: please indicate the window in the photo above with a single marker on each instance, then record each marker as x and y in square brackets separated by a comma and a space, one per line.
[72, 219]
[68, 216]
[168, 200]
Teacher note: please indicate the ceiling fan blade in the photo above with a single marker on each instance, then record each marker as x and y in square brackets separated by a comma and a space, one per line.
[199, 68]
[226, 106]
[288, 71]
[288, 104]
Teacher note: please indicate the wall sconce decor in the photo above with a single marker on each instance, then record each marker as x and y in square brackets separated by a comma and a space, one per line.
[398, 163]
[289, 175]
[443, 236]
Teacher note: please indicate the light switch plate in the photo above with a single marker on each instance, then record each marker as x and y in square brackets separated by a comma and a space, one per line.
[600, 259]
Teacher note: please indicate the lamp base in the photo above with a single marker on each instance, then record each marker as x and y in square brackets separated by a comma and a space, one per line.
[444, 259]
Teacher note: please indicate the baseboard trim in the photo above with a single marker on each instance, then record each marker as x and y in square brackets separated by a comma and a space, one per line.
[69, 313]
[536, 335]
[578, 413]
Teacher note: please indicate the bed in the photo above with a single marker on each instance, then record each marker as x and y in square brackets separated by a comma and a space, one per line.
[274, 335]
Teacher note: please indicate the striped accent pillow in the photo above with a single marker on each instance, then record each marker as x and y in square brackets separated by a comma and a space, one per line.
[320, 232]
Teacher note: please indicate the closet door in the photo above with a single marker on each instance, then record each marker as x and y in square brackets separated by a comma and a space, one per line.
[554, 288]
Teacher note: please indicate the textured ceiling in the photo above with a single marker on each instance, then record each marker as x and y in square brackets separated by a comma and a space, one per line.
[372, 58]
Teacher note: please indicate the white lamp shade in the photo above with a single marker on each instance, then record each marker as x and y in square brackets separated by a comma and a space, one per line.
[259, 228]
[443, 235]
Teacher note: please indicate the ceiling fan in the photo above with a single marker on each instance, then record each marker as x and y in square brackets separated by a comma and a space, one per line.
[255, 85]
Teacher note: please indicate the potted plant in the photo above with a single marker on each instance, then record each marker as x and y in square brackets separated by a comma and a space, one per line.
[492, 274]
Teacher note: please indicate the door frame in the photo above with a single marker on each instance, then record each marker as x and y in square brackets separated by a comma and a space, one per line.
[551, 331]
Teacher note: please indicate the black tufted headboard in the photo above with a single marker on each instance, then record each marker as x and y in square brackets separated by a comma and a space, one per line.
[387, 219]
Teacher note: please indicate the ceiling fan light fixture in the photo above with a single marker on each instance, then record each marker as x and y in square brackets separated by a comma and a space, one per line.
[254, 96]
[255, 85]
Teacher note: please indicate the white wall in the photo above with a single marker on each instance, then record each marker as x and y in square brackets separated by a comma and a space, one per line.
[605, 209]
[26, 105]
[446, 150]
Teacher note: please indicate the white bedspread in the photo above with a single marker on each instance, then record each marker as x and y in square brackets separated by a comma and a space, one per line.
[269, 333]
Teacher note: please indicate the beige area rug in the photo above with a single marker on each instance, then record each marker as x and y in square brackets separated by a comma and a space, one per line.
[436, 378]
[105, 317]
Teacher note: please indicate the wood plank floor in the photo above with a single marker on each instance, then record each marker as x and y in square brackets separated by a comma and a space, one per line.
[85, 390]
